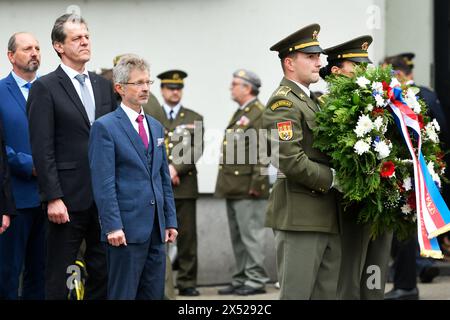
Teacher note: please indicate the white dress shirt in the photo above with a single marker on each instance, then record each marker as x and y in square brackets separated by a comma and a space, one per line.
[175, 109]
[71, 73]
[132, 115]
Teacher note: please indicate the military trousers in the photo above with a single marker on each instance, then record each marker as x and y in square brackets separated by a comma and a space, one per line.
[246, 223]
[186, 243]
[365, 261]
[308, 264]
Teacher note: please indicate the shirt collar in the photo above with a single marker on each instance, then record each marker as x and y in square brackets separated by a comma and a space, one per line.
[21, 82]
[301, 86]
[175, 109]
[130, 112]
[73, 73]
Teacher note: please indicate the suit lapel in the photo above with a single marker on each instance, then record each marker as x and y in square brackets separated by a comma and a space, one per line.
[67, 84]
[153, 141]
[15, 92]
[97, 95]
[300, 94]
[132, 135]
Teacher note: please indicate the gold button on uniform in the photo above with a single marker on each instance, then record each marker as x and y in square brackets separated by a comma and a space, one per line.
[236, 173]
[170, 145]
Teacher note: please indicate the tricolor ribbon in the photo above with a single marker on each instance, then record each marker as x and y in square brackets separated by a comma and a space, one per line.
[433, 215]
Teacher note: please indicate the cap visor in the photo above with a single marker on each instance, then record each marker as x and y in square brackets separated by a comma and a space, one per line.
[173, 85]
[360, 60]
[312, 49]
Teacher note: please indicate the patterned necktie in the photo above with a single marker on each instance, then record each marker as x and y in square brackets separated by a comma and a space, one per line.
[86, 97]
[142, 133]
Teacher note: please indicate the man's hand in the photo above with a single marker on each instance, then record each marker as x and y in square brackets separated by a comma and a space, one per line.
[5, 223]
[174, 175]
[117, 238]
[57, 212]
[171, 235]
[254, 193]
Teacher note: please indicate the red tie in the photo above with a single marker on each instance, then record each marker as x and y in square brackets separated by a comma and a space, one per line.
[142, 133]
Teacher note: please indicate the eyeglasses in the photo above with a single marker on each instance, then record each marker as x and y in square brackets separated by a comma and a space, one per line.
[140, 83]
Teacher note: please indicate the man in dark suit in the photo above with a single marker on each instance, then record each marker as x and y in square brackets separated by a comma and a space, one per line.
[7, 208]
[61, 108]
[23, 246]
[132, 188]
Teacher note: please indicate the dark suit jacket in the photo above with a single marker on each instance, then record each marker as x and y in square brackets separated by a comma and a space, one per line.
[6, 198]
[59, 134]
[131, 185]
[15, 124]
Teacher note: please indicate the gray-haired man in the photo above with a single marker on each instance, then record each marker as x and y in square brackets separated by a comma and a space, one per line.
[244, 186]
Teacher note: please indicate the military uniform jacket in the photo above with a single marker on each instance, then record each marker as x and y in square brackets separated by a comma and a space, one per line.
[183, 151]
[301, 198]
[236, 178]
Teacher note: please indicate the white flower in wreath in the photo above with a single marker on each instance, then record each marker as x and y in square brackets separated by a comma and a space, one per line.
[362, 82]
[406, 209]
[364, 126]
[380, 101]
[378, 123]
[436, 125]
[411, 101]
[394, 83]
[361, 147]
[378, 87]
[433, 173]
[431, 132]
[369, 108]
[407, 183]
[382, 149]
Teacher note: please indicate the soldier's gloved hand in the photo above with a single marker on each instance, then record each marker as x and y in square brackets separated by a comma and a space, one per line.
[335, 184]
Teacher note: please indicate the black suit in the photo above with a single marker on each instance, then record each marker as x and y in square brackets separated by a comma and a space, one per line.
[6, 198]
[59, 134]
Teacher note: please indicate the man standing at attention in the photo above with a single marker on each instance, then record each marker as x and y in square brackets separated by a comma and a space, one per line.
[61, 109]
[303, 207]
[23, 246]
[132, 188]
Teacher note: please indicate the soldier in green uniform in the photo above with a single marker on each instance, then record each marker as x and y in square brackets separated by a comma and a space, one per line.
[184, 149]
[303, 206]
[243, 181]
[360, 253]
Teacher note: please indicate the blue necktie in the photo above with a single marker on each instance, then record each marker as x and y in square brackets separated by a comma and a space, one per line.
[86, 97]
[27, 85]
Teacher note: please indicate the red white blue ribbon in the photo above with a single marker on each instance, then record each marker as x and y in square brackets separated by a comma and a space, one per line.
[433, 215]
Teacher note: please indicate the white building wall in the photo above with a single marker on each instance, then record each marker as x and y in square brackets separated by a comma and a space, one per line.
[207, 38]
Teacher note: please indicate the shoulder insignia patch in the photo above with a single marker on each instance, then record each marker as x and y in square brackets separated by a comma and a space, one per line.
[283, 91]
[285, 130]
[281, 103]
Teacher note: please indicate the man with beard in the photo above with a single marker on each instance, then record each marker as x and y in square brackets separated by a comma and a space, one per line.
[23, 244]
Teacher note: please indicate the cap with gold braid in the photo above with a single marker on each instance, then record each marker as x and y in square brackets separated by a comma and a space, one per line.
[172, 79]
[304, 40]
[354, 50]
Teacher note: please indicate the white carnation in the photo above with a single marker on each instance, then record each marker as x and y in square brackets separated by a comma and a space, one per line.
[369, 107]
[361, 147]
[362, 82]
[436, 125]
[431, 132]
[364, 126]
[383, 149]
[378, 87]
[406, 209]
[380, 101]
[378, 123]
[411, 101]
[407, 183]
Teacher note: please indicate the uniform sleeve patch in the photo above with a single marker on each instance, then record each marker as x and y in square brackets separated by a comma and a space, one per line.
[285, 130]
[281, 103]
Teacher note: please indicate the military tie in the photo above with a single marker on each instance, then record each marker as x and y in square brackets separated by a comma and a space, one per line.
[171, 115]
[142, 133]
[86, 97]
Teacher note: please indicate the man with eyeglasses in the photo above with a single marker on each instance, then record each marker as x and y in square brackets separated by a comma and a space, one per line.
[184, 148]
[245, 186]
[61, 109]
[132, 188]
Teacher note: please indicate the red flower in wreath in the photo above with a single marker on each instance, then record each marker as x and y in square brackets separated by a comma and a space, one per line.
[377, 112]
[411, 201]
[387, 169]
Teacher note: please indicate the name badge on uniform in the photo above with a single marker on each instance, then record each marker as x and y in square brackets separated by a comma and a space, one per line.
[160, 141]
